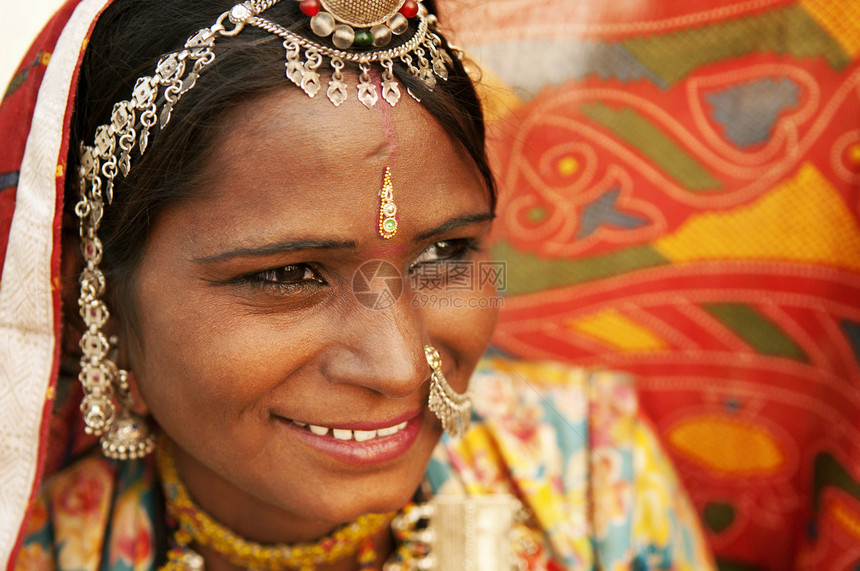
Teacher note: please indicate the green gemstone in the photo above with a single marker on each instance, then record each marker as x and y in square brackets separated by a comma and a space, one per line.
[389, 225]
[363, 38]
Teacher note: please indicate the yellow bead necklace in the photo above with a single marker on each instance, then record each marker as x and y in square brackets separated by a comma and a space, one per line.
[195, 525]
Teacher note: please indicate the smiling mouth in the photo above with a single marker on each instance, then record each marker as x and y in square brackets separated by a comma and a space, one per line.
[356, 435]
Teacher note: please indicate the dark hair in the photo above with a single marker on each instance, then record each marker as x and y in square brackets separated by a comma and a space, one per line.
[128, 41]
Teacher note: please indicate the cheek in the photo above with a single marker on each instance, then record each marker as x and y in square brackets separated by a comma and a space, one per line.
[202, 359]
[463, 323]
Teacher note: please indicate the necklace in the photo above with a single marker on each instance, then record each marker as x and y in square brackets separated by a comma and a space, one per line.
[482, 532]
[195, 525]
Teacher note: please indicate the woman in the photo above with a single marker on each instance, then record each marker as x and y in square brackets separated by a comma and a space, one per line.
[237, 248]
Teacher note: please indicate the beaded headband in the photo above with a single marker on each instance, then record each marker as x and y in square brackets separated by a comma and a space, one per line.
[346, 31]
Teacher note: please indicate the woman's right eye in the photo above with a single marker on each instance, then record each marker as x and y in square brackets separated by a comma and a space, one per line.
[291, 278]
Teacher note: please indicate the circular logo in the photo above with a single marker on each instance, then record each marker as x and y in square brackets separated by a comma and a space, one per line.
[377, 284]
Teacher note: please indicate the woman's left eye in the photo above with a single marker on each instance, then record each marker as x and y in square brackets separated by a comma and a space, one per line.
[446, 250]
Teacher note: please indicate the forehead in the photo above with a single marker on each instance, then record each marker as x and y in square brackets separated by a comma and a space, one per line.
[285, 155]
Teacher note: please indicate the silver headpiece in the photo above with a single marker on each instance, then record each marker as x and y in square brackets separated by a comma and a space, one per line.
[360, 32]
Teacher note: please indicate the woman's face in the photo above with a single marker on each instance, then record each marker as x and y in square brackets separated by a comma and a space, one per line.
[250, 327]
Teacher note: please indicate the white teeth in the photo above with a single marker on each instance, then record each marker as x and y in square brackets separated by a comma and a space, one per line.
[342, 434]
[362, 435]
[318, 430]
[358, 435]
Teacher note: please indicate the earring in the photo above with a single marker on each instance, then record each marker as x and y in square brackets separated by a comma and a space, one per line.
[123, 434]
[453, 409]
[128, 436]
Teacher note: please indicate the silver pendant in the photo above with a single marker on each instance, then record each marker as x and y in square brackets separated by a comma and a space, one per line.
[337, 91]
[144, 140]
[310, 78]
[366, 90]
[110, 190]
[390, 87]
[438, 63]
[125, 163]
[425, 72]
[147, 119]
[188, 82]
[294, 64]
[164, 117]
[443, 53]
[407, 59]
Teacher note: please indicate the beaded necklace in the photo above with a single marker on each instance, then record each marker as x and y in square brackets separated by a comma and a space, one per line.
[195, 525]
[411, 527]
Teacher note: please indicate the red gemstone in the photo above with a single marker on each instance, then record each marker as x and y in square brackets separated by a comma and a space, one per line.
[310, 7]
[409, 8]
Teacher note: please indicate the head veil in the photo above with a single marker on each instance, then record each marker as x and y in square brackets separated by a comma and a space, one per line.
[36, 434]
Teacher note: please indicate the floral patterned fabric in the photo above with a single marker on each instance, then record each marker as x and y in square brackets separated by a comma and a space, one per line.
[570, 444]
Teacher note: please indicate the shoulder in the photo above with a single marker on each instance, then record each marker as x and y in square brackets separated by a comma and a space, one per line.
[545, 411]
[570, 398]
[572, 444]
[68, 518]
[93, 515]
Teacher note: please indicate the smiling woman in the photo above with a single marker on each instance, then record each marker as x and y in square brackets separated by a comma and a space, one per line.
[248, 327]
[250, 257]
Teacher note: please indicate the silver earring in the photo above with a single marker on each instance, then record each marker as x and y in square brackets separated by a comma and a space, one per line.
[123, 434]
[452, 408]
[128, 436]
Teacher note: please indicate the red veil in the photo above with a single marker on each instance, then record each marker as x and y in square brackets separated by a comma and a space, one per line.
[36, 430]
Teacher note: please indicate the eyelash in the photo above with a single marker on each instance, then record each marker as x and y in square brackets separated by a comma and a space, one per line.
[274, 279]
[461, 248]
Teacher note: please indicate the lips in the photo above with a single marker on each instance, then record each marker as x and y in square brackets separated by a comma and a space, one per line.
[361, 443]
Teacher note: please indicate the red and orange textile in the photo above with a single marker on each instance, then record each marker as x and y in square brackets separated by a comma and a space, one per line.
[34, 118]
[680, 200]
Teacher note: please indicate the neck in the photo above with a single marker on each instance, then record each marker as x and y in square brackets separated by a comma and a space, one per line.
[243, 512]
[224, 543]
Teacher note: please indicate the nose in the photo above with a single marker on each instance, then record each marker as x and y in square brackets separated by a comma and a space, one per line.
[380, 349]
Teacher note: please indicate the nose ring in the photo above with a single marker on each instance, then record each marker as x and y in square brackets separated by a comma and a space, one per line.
[452, 408]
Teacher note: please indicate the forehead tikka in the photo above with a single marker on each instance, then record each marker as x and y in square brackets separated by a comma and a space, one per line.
[360, 31]
[376, 22]
[387, 208]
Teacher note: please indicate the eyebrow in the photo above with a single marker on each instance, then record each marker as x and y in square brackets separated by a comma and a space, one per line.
[464, 220]
[279, 248]
[297, 245]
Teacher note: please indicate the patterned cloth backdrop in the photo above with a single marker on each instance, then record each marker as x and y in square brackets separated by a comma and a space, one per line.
[680, 201]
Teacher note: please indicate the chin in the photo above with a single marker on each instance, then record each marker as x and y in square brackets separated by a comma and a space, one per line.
[347, 506]
[382, 492]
